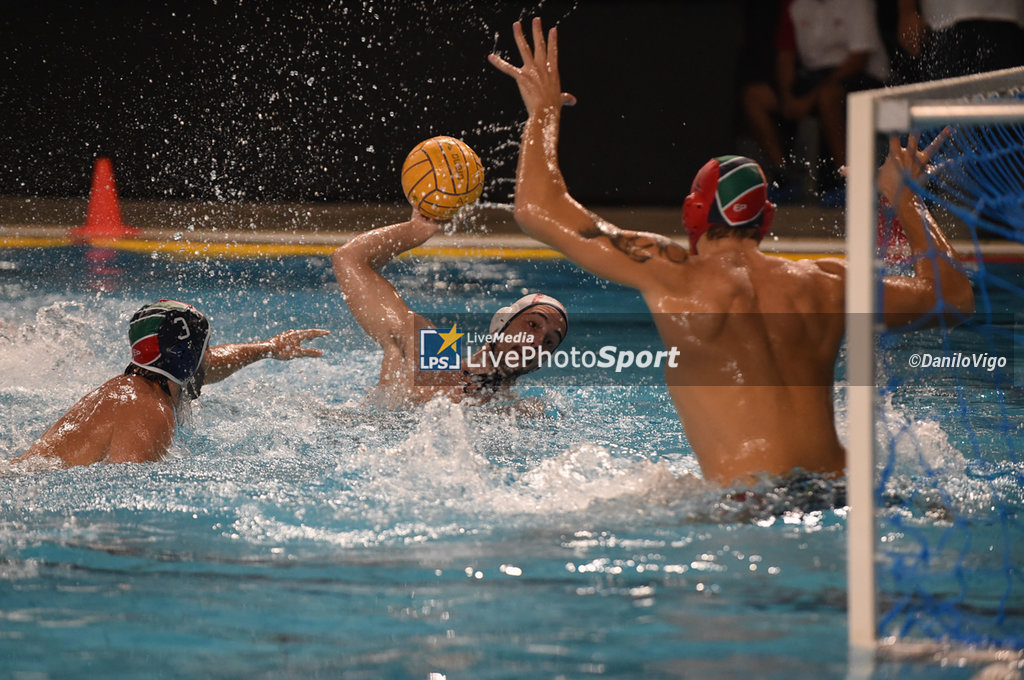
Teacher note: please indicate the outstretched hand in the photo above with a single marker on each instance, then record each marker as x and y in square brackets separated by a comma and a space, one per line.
[538, 79]
[907, 162]
[288, 345]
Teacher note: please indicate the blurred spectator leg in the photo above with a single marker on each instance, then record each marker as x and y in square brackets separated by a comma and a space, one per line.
[761, 110]
[831, 106]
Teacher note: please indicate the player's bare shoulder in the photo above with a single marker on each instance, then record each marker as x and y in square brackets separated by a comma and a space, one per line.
[829, 278]
[832, 267]
[133, 401]
[810, 285]
[827, 272]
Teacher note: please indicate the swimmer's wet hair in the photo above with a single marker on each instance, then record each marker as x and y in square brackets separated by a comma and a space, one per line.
[717, 231]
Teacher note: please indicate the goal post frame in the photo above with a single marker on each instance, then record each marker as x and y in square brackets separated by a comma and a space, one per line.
[897, 110]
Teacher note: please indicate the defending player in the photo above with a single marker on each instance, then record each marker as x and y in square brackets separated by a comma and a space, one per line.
[759, 335]
[131, 418]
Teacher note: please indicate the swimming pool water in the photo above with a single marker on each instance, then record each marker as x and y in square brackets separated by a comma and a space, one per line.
[295, 533]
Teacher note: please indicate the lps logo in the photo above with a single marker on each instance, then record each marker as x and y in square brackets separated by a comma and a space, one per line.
[440, 351]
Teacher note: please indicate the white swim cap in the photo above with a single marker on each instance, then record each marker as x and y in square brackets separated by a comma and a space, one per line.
[504, 316]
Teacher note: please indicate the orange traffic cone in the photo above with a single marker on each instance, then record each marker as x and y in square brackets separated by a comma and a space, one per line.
[104, 217]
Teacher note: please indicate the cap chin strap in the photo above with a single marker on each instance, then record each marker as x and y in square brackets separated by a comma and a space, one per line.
[695, 235]
[492, 379]
[482, 382]
[194, 385]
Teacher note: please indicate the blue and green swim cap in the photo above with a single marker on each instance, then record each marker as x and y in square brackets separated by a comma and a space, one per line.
[169, 338]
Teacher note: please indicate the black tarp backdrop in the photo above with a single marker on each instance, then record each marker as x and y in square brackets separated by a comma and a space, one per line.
[267, 101]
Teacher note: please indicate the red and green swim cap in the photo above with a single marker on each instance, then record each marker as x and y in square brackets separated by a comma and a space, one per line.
[730, 191]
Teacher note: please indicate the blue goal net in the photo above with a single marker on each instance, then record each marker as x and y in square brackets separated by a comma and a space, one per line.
[949, 408]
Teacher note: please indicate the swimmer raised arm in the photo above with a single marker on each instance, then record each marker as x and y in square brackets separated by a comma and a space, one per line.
[544, 207]
[939, 283]
[376, 305]
[939, 288]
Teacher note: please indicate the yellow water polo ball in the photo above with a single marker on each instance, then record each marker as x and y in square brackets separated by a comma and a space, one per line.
[441, 175]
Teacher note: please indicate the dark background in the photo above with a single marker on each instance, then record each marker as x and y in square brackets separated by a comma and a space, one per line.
[303, 101]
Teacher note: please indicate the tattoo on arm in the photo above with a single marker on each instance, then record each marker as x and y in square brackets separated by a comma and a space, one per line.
[639, 246]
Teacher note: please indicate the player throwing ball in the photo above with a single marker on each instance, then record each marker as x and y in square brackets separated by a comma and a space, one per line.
[758, 335]
[440, 176]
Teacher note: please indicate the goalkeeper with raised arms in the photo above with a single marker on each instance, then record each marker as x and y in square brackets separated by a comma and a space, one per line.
[758, 335]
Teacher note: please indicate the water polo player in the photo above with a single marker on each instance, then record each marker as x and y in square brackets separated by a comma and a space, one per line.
[758, 335]
[537, 321]
[131, 418]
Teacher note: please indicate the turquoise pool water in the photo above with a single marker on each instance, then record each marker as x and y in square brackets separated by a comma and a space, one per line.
[294, 533]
